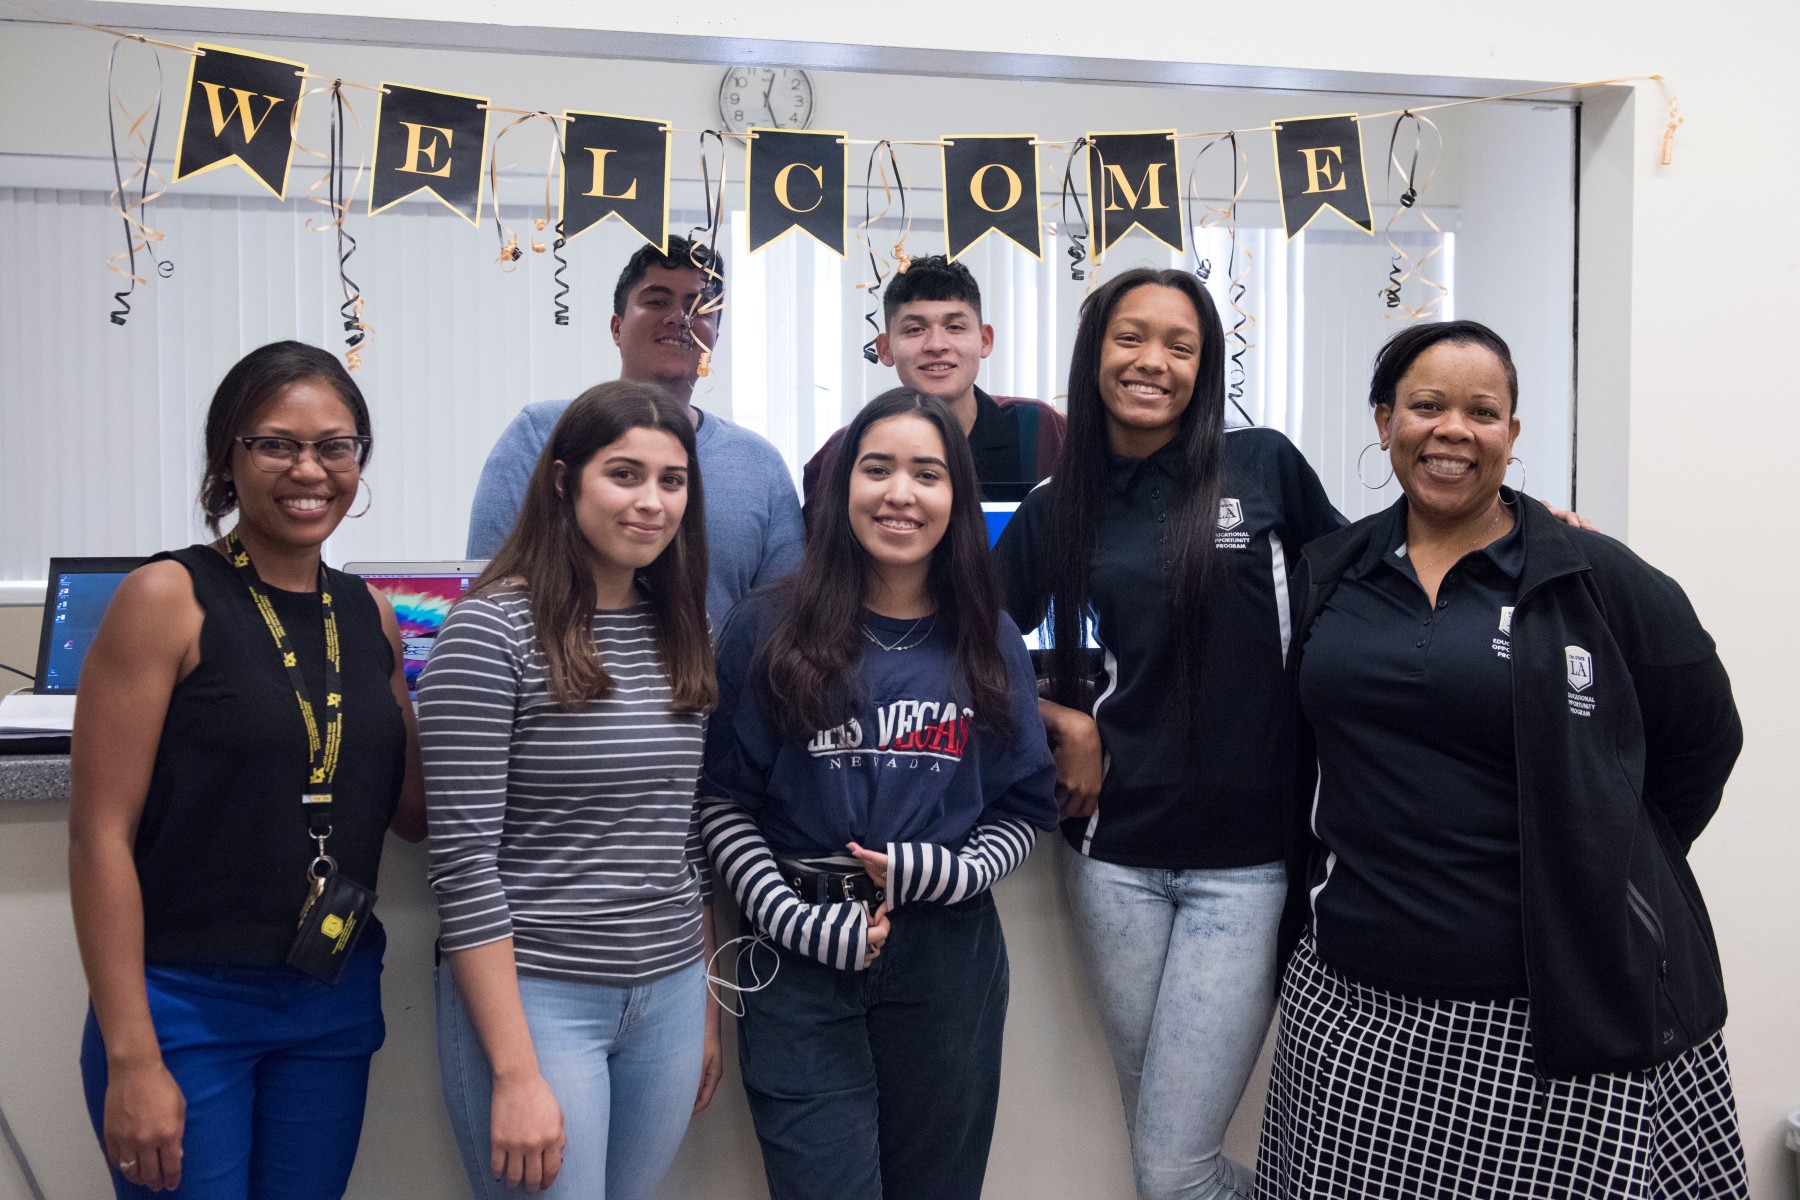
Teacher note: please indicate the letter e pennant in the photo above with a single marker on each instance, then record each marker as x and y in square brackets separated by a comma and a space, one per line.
[1319, 165]
[429, 141]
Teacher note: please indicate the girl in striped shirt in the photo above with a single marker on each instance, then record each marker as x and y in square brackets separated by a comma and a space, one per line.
[875, 764]
[562, 717]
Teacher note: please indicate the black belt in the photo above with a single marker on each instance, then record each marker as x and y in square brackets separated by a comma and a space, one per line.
[831, 887]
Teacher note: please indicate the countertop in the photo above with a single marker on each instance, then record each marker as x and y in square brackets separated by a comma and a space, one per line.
[28, 778]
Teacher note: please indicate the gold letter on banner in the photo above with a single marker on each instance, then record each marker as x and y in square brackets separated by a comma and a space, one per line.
[978, 170]
[616, 167]
[785, 165]
[238, 92]
[1115, 161]
[417, 149]
[422, 137]
[1317, 158]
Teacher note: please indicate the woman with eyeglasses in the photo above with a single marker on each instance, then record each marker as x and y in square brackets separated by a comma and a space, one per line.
[244, 743]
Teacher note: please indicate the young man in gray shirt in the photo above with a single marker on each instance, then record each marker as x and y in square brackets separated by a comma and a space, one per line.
[753, 530]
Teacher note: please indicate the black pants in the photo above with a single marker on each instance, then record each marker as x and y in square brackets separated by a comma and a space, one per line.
[883, 1082]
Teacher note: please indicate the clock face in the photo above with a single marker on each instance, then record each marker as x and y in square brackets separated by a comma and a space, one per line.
[773, 97]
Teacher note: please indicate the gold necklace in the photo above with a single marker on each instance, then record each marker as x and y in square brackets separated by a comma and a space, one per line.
[1474, 543]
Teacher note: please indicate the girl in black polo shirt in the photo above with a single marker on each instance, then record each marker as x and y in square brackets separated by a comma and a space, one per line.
[1171, 538]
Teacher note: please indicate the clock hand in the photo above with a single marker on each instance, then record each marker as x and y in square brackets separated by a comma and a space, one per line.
[769, 103]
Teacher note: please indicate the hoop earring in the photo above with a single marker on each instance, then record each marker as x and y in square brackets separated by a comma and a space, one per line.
[1522, 475]
[1363, 479]
[363, 483]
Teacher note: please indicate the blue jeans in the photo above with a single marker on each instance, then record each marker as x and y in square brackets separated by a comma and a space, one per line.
[1183, 971]
[624, 1063]
[274, 1066]
[882, 1082]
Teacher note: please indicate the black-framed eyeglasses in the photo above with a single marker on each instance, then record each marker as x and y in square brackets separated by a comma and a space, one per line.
[271, 453]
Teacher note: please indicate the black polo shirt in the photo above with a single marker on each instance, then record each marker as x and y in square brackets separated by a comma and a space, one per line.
[1170, 799]
[1411, 706]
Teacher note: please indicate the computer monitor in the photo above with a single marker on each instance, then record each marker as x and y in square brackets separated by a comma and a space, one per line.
[75, 599]
[998, 513]
[421, 593]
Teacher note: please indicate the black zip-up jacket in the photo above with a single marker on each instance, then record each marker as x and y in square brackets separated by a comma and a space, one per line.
[1625, 732]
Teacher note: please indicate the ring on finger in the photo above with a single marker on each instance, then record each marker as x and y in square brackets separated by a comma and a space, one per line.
[127, 1164]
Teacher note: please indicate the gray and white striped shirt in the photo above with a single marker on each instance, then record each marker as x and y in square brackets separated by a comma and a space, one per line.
[570, 831]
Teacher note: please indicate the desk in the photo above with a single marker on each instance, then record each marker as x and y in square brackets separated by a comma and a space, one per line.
[32, 778]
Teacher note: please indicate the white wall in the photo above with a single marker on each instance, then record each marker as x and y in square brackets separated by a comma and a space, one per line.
[1711, 424]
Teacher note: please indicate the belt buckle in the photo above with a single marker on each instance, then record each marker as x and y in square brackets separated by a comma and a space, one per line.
[848, 886]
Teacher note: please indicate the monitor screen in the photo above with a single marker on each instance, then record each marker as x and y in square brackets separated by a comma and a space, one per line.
[76, 599]
[421, 602]
[998, 513]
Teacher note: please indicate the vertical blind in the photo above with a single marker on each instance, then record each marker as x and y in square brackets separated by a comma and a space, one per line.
[100, 425]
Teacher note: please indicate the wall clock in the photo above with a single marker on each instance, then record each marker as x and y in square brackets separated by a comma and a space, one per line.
[772, 97]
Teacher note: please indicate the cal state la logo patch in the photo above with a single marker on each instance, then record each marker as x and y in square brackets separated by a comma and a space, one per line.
[1231, 513]
[1581, 668]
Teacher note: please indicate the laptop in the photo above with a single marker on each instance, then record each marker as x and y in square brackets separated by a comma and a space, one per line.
[76, 595]
[421, 593]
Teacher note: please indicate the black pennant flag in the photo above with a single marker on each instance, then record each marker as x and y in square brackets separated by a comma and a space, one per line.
[429, 141]
[796, 180]
[1319, 165]
[1133, 180]
[991, 186]
[240, 109]
[616, 167]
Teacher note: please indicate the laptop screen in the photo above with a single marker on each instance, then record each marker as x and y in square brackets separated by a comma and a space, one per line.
[76, 599]
[421, 594]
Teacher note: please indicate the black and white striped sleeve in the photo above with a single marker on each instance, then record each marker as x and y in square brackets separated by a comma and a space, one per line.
[834, 934]
[930, 872]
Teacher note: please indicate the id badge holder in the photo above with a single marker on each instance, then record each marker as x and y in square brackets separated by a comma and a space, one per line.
[332, 921]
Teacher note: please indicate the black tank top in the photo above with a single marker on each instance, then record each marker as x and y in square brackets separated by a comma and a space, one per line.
[222, 847]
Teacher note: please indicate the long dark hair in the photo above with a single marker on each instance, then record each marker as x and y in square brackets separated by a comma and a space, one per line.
[1078, 491]
[253, 381]
[811, 657]
[547, 549]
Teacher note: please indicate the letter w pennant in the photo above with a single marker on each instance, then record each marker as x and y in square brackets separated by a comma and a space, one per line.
[240, 109]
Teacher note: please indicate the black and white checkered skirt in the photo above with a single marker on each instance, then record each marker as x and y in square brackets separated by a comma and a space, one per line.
[1376, 1094]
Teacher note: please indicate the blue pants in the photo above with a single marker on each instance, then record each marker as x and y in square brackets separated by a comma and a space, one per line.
[1183, 971]
[275, 1069]
[882, 1082]
[624, 1063]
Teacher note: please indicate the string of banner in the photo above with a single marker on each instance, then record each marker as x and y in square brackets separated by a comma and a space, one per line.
[602, 165]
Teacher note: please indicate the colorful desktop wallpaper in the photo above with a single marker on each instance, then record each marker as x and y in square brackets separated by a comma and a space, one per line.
[421, 602]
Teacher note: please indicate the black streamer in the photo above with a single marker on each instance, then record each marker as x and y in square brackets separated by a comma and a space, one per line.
[1077, 241]
[705, 257]
[1236, 374]
[875, 330]
[351, 309]
[1396, 275]
[164, 267]
[562, 285]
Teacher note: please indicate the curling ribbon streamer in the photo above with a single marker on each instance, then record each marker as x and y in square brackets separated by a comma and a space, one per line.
[138, 236]
[711, 298]
[877, 262]
[1402, 267]
[1211, 216]
[1676, 121]
[338, 199]
[510, 253]
[1078, 241]
[557, 149]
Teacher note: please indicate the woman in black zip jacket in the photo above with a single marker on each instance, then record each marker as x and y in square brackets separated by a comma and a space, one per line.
[1502, 979]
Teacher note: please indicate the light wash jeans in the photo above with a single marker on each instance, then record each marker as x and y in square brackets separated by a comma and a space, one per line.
[624, 1064]
[1182, 965]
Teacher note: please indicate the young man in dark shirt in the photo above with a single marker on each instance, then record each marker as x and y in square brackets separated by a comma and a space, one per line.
[935, 340]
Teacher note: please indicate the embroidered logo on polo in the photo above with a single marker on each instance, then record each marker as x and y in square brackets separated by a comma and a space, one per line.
[922, 732]
[1503, 643]
[1580, 672]
[1231, 535]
